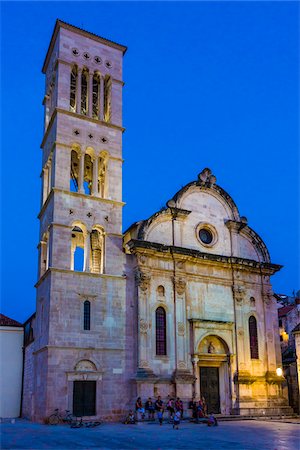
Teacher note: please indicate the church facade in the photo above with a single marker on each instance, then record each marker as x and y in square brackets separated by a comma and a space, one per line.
[180, 304]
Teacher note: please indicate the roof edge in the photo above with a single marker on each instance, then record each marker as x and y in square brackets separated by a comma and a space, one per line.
[61, 24]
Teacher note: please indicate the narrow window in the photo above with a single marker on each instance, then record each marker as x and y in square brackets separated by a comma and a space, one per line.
[96, 96]
[84, 92]
[253, 338]
[74, 171]
[77, 250]
[160, 320]
[102, 176]
[88, 174]
[96, 251]
[107, 99]
[73, 81]
[87, 315]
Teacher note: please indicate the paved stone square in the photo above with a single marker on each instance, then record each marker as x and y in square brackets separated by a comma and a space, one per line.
[242, 435]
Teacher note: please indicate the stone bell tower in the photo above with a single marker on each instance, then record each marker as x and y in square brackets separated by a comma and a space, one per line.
[79, 345]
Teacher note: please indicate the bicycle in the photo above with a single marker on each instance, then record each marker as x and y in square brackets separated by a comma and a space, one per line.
[56, 417]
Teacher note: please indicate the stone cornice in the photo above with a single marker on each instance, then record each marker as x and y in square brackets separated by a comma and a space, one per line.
[196, 256]
[85, 274]
[70, 347]
[78, 195]
[79, 116]
[197, 320]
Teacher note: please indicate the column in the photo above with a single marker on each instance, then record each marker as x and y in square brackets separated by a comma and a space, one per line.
[95, 176]
[81, 173]
[196, 369]
[87, 247]
[90, 95]
[78, 92]
[101, 97]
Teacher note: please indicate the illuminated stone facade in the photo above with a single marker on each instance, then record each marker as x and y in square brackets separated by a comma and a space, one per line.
[165, 309]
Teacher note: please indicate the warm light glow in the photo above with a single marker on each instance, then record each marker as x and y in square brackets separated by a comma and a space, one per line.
[279, 371]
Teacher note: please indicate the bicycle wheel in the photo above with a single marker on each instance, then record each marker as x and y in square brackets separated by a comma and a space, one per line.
[53, 419]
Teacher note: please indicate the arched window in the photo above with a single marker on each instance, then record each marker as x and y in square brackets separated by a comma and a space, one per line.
[77, 250]
[73, 82]
[253, 337]
[96, 255]
[161, 337]
[161, 291]
[96, 96]
[84, 91]
[74, 171]
[102, 165]
[87, 315]
[88, 174]
[44, 254]
[107, 99]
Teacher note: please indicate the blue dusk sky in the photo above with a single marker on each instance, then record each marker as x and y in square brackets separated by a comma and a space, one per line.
[207, 84]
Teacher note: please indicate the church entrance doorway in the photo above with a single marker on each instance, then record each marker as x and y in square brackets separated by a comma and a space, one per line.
[209, 387]
[84, 398]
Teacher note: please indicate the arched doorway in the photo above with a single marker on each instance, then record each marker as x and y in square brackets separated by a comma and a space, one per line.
[213, 375]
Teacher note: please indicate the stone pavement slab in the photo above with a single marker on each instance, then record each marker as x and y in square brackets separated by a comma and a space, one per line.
[243, 435]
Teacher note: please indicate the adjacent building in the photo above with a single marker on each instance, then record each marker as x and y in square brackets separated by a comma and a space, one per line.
[11, 350]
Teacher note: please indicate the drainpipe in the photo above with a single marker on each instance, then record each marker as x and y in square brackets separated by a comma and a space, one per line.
[174, 215]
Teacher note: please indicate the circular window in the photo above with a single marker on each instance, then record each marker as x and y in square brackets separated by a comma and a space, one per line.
[205, 236]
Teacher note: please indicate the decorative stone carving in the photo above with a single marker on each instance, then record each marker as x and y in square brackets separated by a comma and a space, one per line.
[180, 264]
[270, 336]
[144, 364]
[85, 366]
[142, 280]
[143, 326]
[180, 328]
[241, 332]
[180, 285]
[182, 365]
[239, 293]
[206, 178]
[267, 295]
[211, 348]
[142, 259]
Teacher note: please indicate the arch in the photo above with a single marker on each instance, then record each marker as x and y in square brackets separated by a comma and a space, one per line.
[85, 365]
[212, 344]
[97, 249]
[253, 337]
[86, 315]
[96, 95]
[161, 331]
[102, 174]
[78, 247]
[74, 169]
[88, 172]
[84, 91]
[107, 98]
[44, 253]
[160, 291]
[73, 87]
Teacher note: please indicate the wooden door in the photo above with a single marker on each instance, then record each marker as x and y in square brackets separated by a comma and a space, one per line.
[209, 388]
[84, 398]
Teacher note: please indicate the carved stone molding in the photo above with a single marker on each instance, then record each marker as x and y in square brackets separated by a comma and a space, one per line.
[206, 178]
[267, 295]
[239, 293]
[180, 328]
[143, 326]
[181, 365]
[180, 285]
[241, 332]
[142, 280]
[144, 364]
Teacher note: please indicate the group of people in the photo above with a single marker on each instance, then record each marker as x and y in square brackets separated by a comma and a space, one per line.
[174, 407]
